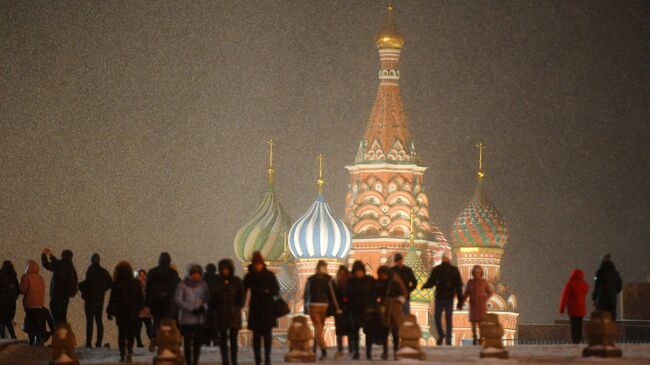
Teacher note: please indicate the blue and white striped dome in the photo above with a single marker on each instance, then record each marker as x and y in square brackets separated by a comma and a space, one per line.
[317, 234]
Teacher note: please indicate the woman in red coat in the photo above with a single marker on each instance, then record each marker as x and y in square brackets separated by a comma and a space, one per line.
[573, 301]
[479, 292]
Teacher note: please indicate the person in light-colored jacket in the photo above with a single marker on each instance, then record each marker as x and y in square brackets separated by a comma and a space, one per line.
[192, 298]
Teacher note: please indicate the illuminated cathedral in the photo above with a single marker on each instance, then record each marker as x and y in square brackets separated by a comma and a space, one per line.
[386, 212]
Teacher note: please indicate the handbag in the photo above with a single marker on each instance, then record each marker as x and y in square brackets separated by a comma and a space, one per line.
[280, 307]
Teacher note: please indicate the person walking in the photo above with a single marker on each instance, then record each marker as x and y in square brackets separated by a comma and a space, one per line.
[227, 301]
[263, 289]
[210, 277]
[573, 301]
[449, 284]
[9, 293]
[607, 286]
[317, 301]
[125, 302]
[32, 287]
[408, 279]
[192, 297]
[93, 292]
[342, 317]
[64, 283]
[159, 293]
[478, 291]
[358, 291]
[144, 317]
[390, 294]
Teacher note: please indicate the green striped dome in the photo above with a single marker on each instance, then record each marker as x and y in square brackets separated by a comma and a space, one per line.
[414, 261]
[265, 232]
[480, 224]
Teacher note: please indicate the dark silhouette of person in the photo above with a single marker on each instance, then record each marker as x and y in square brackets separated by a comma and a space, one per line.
[93, 291]
[125, 303]
[408, 279]
[9, 293]
[64, 284]
[449, 284]
[160, 288]
[226, 301]
[607, 286]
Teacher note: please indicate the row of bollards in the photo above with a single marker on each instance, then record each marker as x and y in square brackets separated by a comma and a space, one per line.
[600, 331]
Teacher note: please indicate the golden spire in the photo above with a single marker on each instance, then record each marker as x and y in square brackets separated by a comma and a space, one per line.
[389, 37]
[321, 180]
[480, 172]
[411, 228]
[271, 170]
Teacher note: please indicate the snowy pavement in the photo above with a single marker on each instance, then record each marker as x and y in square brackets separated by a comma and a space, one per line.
[528, 354]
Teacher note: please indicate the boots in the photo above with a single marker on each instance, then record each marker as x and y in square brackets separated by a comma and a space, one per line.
[323, 354]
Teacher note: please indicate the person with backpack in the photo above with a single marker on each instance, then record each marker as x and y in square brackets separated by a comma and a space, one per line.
[160, 288]
[93, 291]
[317, 303]
[9, 293]
[226, 302]
[449, 284]
[263, 289]
[607, 286]
[64, 284]
[32, 287]
[124, 305]
[573, 301]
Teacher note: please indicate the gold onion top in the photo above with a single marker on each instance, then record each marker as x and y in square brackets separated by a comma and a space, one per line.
[389, 37]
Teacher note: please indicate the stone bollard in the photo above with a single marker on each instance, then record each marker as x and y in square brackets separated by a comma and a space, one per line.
[601, 335]
[410, 335]
[299, 336]
[168, 340]
[492, 332]
[63, 345]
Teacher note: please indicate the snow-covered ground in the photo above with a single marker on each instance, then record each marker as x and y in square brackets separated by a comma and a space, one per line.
[529, 354]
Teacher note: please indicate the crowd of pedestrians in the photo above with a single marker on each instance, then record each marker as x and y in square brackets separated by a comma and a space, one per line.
[207, 306]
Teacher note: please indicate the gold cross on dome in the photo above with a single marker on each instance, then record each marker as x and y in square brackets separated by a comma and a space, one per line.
[271, 170]
[321, 180]
[481, 148]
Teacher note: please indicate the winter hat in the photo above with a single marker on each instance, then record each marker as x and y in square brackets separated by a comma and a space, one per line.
[358, 266]
[257, 258]
[66, 255]
[398, 257]
[383, 270]
[195, 268]
[210, 268]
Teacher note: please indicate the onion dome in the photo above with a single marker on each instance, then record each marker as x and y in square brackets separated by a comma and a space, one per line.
[413, 259]
[389, 37]
[317, 234]
[480, 224]
[267, 229]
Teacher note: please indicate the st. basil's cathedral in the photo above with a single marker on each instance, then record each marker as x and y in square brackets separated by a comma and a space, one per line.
[386, 212]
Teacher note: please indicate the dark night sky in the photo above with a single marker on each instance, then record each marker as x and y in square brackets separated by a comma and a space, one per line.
[134, 127]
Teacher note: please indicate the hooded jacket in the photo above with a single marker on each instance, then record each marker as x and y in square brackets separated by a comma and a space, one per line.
[161, 281]
[264, 289]
[32, 286]
[192, 299]
[574, 294]
[608, 285]
[9, 292]
[227, 297]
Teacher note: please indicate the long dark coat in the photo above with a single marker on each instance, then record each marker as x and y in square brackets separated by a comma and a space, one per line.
[126, 301]
[608, 285]
[359, 293]
[9, 292]
[263, 288]
[227, 300]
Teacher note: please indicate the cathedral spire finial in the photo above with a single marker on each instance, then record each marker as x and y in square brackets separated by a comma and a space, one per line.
[271, 170]
[321, 180]
[480, 173]
[389, 37]
[411, 228]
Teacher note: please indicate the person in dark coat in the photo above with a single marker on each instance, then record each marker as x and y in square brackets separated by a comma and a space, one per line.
[124, 304]
[263, 289]
[359, 301]
[144, 317]
[449, 284]
[93, 291]
[390, 293]
[573, 301]
[159, 291]
[317, 302]
[408, 279]
[342, 317]
[64, 283]
[9, 292]
[210, 277]
[608, 285]
[227, 300]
